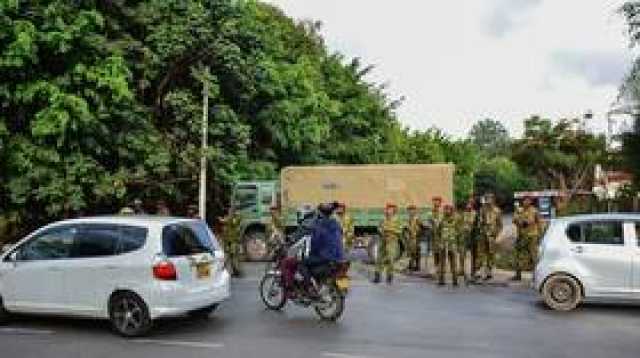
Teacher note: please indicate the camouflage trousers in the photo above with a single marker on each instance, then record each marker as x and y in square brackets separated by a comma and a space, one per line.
[462, 261]
[413, 251]
[487, 253]
[386, 257]
[232, 251]
[525, 252]
[447, 256]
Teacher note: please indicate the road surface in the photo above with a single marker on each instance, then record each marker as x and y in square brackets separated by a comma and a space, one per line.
[408, 319]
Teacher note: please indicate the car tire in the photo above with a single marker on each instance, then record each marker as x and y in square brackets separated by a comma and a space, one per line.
[4, 314]
[255, 246]
[203, 313]
[129, 315]
[562, 293]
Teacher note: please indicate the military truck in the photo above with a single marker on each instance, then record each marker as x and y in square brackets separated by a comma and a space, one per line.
[365, 189]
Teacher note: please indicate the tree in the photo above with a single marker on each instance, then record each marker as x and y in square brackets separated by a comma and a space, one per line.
[491, 137]
[559, 155]
[503, 177]
[100, 102]
[631, 90]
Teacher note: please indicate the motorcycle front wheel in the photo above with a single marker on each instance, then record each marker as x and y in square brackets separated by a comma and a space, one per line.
[272, 292]
[332, 305]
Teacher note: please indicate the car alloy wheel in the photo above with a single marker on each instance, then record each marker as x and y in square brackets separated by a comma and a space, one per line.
[129, 315]
[562, 292]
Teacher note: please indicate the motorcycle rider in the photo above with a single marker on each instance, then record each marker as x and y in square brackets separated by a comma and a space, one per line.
[326, 244]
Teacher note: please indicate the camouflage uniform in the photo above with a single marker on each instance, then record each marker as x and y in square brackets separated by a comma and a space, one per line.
[466, 240]
[414, 229]
[348, 231]
[436, 220]
[390, 231]
[232, 242]
[275, 229]
[490, 228]
[527, 221]
[447, 247]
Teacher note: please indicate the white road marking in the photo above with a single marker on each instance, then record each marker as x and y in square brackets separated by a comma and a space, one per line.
[25, 331]
[342, 355]
[202, 345]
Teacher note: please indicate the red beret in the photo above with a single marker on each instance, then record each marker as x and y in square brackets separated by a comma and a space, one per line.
[391, 206]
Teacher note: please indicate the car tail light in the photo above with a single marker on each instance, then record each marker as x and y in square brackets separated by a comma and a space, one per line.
[165, 270]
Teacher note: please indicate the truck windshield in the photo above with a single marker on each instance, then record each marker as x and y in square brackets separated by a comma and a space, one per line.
[246, 197]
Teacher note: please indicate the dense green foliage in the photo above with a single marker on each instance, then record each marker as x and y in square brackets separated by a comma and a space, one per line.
[101, 102]
[491, 137]
[559, 155]
[631, 89]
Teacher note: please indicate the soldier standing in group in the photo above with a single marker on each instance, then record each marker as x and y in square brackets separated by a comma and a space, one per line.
[390, 231]
[138, 207]
[466, 241]
[275, 229]
[527, 222]
[192, 211]
[162, 209]
[490, 228]
[348, 229]
[436, 219]
[231, 240]
[447, 245]
[414, 230]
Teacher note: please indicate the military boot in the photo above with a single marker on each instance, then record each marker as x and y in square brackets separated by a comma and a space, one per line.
[376, 277]
[517, 277]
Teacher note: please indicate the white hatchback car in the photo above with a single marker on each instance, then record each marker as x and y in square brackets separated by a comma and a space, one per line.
[130, 270]
[589, 257]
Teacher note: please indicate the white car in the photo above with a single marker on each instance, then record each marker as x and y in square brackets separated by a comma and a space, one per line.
[589, 257]
[130, 270]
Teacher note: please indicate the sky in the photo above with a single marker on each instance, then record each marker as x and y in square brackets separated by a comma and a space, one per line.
[456, 62]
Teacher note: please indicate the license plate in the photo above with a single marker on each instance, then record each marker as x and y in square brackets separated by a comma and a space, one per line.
[343, 283]
[203, 270]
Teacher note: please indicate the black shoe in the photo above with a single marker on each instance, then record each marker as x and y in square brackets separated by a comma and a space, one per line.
[389, 279]
[488, 277]
[455, 283]
[517, 277]
[440, 283]
[376, 277]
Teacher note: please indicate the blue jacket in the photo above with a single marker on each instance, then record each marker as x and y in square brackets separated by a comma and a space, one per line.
[326, 241]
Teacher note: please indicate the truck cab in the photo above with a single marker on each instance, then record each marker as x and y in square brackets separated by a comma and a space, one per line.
[253, 200]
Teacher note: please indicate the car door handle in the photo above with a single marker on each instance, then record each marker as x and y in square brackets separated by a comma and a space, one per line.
[577, 250]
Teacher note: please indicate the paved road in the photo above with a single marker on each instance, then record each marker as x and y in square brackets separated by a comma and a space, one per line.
[409, 319]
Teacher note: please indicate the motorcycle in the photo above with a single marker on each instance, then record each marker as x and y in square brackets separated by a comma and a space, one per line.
[331, 285]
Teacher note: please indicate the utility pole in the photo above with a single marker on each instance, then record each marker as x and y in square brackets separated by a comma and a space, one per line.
[203, 158]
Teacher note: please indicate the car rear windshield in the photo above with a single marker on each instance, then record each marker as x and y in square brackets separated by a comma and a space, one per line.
[187, 238]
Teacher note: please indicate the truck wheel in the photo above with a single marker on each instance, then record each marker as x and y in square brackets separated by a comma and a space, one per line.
[255, 246]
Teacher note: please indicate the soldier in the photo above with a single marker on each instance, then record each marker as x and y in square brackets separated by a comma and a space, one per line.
[275, 229]
[390, 231]
[447, 245]
[414, 230]
[192, 211]
[231, 240]
[467, 240]
[527, 221]
[348, 230]
[138, 207]
[490, 228]
[436, 219]
[162, 209]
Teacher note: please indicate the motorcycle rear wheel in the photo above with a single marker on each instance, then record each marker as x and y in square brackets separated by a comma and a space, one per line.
[272, 292]
[333, 310]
